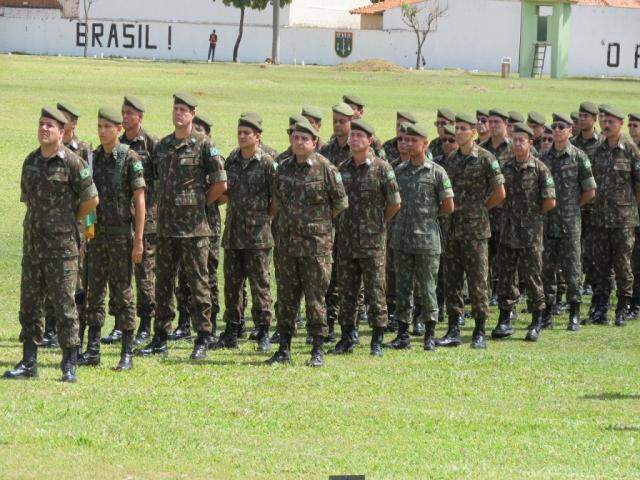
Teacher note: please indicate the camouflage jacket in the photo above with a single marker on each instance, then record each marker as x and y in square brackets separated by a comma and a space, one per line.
[272, 152]
[336, 154]
[284, 155]
[391, 151]
[185, 169]
[571, 170]
[306, 194]
[52, 189]
[503, 153]
[371, 188]
[81, 148]
[248, 224]
[527, 185]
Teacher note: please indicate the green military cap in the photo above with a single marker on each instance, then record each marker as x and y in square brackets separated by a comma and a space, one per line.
[612, 112]
[589, 107]
[561, 117]
[364, 126]
[109, 114]
[536, 118]
[342, 109]
[575, 116]
[446, 114]
[516, 117]
[466, 118]
[603, 106]
[185, 99]
[408, 116]
[200, 119]
[634, 117]
[251, 120]
[54, 114]
[416, 130]
[295, 118]
[483, 112]
[450, 130]
[133, 102]
[353, 100]
[313, 112]
[498, 112]
[70, 109]
[520, 127]
[305, 126]
[548, 130]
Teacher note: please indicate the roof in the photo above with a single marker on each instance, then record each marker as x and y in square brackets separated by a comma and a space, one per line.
[609, 3]
[51, 4]
[380, 7]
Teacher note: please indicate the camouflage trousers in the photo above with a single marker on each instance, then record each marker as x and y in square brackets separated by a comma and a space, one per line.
[191, 255]
[53, 278]
[562, 255]
[109, 263]
[635, 265]
[470, 257]
[298, 276]
[240, 266]
[419, 270]
[509, 260]
[332, 297]
[588, 226]
[352, 273]
[612, 248]
[145, 274]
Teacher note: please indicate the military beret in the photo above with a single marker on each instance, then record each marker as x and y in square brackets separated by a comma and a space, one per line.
[612, 112]
[201, 120]
[251, 120]
[575, 116]
[363, 126]
[520, 127]
[466, 118]
[295, 118]
[353, 100]
[482, 112]
[133, 102]
[561, 117]
[498, 112]
[313, 112]
[416, 130]
[446, 114]
[536, 118]
[589, 107]
[408, 116]
[342, 109]
[634, 117]
[548, 130]
[54, 114]
[602, 106]
[450, 130]
[516, 117]
[70, 109]
[109, 114]
[305, 126]
[185, 99]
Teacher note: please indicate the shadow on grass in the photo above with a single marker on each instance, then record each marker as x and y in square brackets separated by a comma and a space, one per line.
[612, 396]
[623, 428]
[211, 362]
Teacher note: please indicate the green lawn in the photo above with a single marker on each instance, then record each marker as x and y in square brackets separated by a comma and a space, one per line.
[566, 407]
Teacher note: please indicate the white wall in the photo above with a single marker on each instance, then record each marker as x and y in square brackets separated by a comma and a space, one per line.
[325, 13]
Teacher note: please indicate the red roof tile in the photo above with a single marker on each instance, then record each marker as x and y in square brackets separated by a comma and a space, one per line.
[378, 8]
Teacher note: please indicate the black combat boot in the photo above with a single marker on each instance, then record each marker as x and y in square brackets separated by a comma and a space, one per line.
[28, 366]
[68, 365]
[264, 344]
[317, 352]
[634, 309]
[242, 328]
[418, 329]
[377, 335]
[50, 337]
[255, 331]
[157, 346]
[183, 330]
[126, 352]
[275, 338]
[534, 328]
[592, 308]
[200, 345]
[429, 344]
[452, 337]
[513, 314]
[228, 338]
[600, 314]
[574, 317]
[503, 329]
[621, 311]
[144, 330]
[392, 326]
[346, 342]
[547, 317]
[478, 337]
[91, 357]
[113, 337]
[212, 337]
[283, 354]
[402, 340]
[330, 338]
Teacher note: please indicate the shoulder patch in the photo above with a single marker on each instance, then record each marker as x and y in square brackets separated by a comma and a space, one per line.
[84, 173]
[214, 152]
[549, 182]
[274, 166]
[495, 165]
[338, 177]
[390, 175]
[446, 183]
[587, 162]
[137, 167]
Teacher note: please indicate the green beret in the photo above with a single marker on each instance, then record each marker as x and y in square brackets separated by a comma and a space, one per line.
[353, 100]
[305, 126]
[634, 117]
[467, 118]
[450, 130]
[536, 118]
[109, 114]
[408, 116]
[416, 130]
[202, 120]
[343, 109]
[575, 116]
[363, 126]
[251, 120]
[498, 112]
[612, 112]
[589, 107]
[295, 118]
[561, 117]
[70, 109]
[185, 99]
[520, 127]
[313, 112]
[446, 114]
[133, 102]
[516, 117]
[548, 130]
[482, 112]
[602, 106]
[54, 114]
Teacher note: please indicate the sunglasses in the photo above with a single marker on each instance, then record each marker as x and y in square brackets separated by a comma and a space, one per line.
[634, 125]
[483, 120]
[559, 126]
[440, 123]
[547, 139]
[448, 140]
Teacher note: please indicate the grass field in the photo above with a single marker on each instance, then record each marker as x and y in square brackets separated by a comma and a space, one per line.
[566, 407]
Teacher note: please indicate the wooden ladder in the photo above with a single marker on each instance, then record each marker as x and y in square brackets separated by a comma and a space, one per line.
[539, 55]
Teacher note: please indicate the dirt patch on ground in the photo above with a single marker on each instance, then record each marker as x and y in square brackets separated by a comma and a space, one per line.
[373, 65]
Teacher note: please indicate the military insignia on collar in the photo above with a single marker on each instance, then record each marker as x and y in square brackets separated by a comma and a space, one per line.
[214, 152]
[338, 177]
[495, 165]
[137, 167]
[84, 173]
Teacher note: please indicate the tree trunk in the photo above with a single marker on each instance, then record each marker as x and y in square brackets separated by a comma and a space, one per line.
[236, 47]
[275, 46]
[418, 51]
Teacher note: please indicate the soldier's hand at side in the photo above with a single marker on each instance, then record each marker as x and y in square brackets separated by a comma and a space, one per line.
[136, 252]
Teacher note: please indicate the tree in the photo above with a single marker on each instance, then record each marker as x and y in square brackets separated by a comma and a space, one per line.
[86, 4]
[275, 45]
[423, 18]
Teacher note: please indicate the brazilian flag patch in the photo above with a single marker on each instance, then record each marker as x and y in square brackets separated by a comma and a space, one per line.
[338, 177]
[214, 152]
[391, 175]
[549, 182]
[495, 165]
[84, 173]
[587, 163]
[137, 167]
[446, 183]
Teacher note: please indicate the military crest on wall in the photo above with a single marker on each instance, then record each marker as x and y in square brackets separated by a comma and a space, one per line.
[343, 43]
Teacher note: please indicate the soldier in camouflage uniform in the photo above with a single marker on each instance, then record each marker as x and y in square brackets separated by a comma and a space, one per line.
[575, 187]
[189, 175]
[247, 238]
[536, 122]
[473, 172]
[616, 168]
[634, 307]
[546, 141]
[426, 193]
[444, 116]
[530, 194]
[482, 125]
[373, 195]
[308, 193]
[57, 187]
[357, 105]
[118, 174]
[390, 147]
[314, 115]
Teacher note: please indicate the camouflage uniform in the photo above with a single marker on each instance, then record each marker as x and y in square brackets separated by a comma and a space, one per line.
[272, 152]
[391, 151]
[306, 194]
[116, 175]
[393, 157]
[52, 189]
[435, 148]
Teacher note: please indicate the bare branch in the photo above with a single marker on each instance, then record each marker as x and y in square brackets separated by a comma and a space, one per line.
[423, 18]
